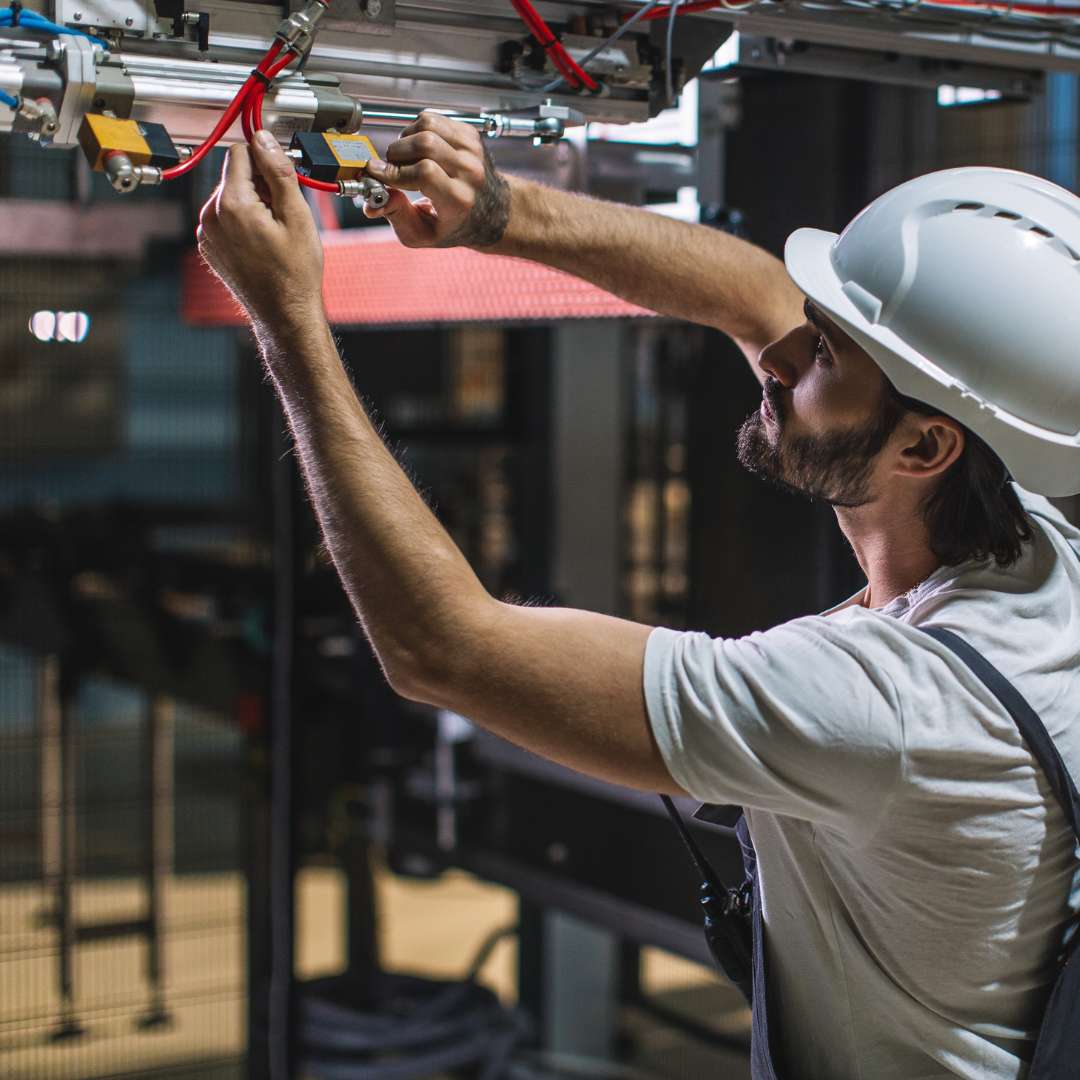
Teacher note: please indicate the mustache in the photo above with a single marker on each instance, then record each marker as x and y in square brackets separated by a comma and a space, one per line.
[771, 393]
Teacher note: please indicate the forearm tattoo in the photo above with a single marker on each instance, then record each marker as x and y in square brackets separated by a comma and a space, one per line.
[490, 214]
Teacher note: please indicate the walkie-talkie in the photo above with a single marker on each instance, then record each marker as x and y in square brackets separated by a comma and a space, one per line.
[726, 913]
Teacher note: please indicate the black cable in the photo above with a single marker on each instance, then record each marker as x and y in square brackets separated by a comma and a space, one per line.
[704, 869]
[404, 1027]
[669, 75]
[594, 53]
[487, 946]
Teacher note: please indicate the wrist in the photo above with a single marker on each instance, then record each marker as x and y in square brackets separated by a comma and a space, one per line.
[534, 229]
[522, 199]
[290, 323]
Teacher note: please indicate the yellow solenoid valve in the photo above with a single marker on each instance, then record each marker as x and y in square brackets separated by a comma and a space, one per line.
[142, 144]
[326, 155]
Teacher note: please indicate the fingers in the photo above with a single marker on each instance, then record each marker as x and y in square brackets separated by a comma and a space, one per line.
[279, 174]
[412, 149]
[237, 187]
[208, 214]
[414, 224]
[460, 136]
[426, 176]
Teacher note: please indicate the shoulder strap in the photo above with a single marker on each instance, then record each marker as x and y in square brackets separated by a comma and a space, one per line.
[1026, 719]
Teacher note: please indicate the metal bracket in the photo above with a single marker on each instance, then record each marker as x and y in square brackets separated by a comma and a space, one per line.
[357, 16]
[78, 61]
[114, 91]
[129, 16]
[759, 53]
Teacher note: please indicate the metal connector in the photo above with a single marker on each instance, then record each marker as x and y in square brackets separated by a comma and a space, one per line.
[148, 175]
[545, 124]
[126, 177]
[299, 28]
[121, 172]
[41, 115]
[364, 192]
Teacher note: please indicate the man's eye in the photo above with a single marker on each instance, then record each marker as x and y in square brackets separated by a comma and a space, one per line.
[821, 350]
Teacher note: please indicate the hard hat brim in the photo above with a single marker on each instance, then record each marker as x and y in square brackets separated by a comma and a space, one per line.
[1041, 460]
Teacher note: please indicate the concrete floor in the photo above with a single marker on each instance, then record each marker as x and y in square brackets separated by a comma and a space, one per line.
[430, 928]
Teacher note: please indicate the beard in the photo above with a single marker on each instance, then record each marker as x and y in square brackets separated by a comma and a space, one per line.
[836, 467]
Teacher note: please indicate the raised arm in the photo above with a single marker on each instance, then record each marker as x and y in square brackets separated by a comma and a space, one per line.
[688, 271]
[565, 684]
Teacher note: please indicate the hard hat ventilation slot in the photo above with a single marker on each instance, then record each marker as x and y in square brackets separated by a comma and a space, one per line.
[969, 206]
[1008, 215]
[1040, 231]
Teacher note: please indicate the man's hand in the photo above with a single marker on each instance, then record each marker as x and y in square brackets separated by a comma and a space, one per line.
[466, 202]
[257, 234]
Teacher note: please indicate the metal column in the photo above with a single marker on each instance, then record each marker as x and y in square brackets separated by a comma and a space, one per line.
[570, 968]
[158, 848]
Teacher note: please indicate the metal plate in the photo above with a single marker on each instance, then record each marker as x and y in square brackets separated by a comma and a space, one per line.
[131, 16]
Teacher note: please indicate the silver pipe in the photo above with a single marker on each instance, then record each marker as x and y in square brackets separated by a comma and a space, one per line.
[380, 117]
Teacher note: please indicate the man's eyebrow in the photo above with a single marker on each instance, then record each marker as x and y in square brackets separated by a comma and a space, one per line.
[813, 316]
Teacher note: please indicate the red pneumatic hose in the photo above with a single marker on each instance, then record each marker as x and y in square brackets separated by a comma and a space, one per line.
[574, 74]
[247, 104]
[252, 117]
[228, 117]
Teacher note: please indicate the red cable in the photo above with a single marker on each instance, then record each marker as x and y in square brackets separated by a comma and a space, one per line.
[564, 63]
[546, 39]
[252, 120]
[228, 118]
[1000, 5]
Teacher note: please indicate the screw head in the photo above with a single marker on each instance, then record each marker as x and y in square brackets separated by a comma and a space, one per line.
[373, 8]
[129, 21]
[77, 16]
[557, 853]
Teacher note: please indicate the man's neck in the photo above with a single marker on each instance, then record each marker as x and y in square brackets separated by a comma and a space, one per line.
[892, 549]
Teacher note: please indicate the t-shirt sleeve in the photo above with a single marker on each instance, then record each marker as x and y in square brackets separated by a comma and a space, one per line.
[802, 720]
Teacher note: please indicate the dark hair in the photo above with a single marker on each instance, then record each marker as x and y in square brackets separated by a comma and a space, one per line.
[974, 512]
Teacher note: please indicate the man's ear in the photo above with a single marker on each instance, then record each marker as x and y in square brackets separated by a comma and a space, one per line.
[928, 445]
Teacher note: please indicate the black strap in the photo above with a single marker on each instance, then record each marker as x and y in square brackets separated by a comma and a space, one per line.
[1026, 719]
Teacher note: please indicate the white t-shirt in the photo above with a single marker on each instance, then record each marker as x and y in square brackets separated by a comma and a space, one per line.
[917, 873]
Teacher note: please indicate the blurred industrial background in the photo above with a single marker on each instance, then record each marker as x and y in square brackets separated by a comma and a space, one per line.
[217, 824]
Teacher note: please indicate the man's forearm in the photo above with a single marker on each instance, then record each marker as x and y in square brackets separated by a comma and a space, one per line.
[406, 579]
[672, 267]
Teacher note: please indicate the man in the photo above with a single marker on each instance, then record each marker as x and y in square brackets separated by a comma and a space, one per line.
[916, 873]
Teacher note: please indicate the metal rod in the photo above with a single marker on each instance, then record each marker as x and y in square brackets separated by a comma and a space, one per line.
[393, 117]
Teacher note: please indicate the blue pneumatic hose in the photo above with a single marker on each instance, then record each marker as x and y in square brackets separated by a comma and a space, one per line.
[33, 21]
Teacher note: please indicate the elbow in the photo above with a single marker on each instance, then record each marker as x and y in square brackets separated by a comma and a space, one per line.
[410, 685]
[408, 674]
[441, 658]
[421, 676]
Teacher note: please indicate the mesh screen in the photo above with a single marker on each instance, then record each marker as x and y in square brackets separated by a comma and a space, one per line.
[125, 529]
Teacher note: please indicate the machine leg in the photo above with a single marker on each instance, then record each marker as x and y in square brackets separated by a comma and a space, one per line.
[569, 972]
[158, 770]
[64, 880]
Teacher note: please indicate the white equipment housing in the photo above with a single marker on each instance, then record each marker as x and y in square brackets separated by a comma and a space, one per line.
[179, 62]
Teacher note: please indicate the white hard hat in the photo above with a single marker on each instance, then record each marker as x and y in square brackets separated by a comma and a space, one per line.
[964, 287]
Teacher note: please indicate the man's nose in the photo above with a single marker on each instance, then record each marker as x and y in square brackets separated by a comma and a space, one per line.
[781, 359]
